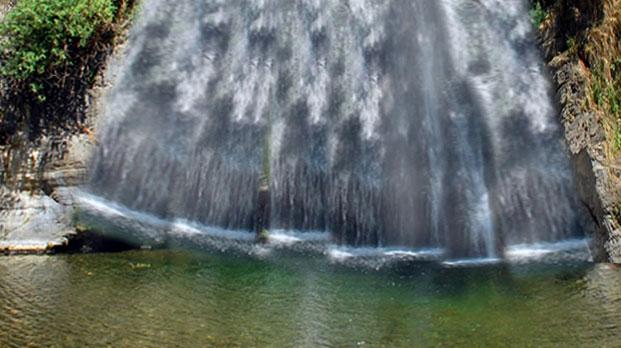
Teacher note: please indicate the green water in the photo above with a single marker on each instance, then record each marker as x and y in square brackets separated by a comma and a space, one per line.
[183, 299]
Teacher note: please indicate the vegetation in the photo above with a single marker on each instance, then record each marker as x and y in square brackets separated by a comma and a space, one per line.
[41, 34]
[601, 51]
[606, 95]
[51, 50]
[537, 14]
[589, 32]
[585, 35]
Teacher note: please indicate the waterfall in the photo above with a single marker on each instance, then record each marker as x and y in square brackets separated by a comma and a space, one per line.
[412, 123]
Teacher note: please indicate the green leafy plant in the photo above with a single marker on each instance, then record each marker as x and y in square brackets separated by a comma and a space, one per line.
[50, 54]
[38, 35]
[537, 14]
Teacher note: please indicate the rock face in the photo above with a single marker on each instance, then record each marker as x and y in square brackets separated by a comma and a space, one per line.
[569, 33]
[31, 223]
[35, 213]
[586, 139]
[36, 179]
[39, 170]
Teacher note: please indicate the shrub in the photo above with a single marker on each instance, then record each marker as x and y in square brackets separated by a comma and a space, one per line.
[40, 34]
[50, 53]
[537, 14]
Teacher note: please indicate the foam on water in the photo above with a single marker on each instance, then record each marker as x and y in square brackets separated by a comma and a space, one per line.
[570, 249]
[134, 226]
[139, 228]
[474, 262]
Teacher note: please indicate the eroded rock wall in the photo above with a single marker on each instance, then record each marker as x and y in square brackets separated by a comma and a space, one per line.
[38, 173]
[580, 39]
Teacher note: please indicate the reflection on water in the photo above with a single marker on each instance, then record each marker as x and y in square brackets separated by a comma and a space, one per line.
[173, 298]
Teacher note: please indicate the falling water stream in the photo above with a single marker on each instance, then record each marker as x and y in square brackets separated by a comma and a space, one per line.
[422, 124]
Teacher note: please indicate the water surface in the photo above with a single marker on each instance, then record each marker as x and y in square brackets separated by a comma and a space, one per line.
[180, 298]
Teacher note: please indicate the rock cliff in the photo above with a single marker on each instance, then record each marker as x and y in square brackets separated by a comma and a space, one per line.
[581, 40]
